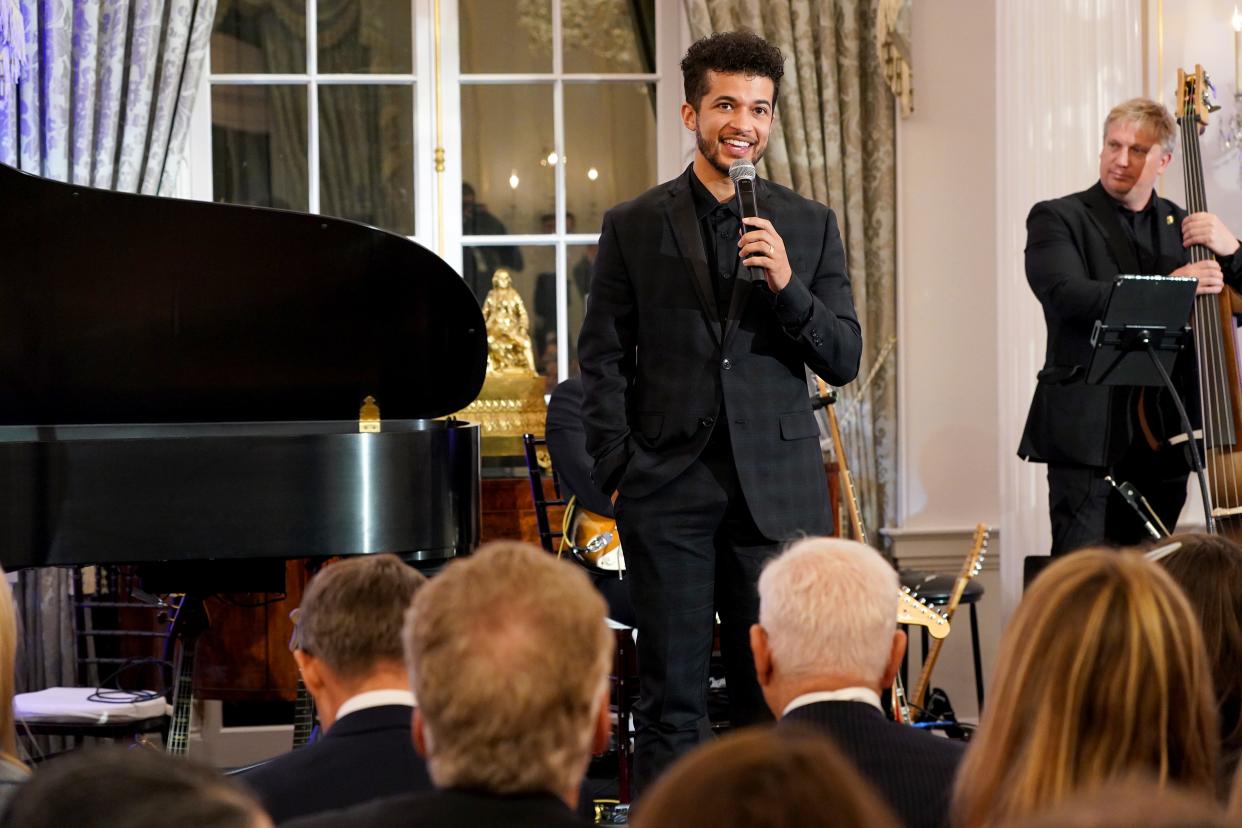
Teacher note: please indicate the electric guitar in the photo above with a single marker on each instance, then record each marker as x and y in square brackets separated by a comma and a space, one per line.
[304, 712]
[189, 623]
[970, 568]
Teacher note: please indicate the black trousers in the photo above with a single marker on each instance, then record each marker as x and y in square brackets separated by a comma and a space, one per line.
[1086, 511]
[691, 550]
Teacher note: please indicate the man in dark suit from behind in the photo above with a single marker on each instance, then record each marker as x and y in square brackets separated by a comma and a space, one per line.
[825, 647]
[352, 663]
[508, 652]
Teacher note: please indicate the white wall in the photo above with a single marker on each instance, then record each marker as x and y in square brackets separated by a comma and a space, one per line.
[947, 403]
[1009, 98]
[947, 290]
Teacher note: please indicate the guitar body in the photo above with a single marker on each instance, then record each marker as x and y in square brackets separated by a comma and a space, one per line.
[595, 541]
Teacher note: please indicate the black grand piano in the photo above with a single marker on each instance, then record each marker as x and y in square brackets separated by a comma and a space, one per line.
[181, 381]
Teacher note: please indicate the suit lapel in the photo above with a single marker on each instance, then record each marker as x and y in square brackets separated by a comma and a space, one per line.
[684, 220]
[1103, 211]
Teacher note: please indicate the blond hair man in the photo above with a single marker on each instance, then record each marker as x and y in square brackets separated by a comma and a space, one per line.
[1075, 246]
[352, 663]
[825, 647]
[508, 653]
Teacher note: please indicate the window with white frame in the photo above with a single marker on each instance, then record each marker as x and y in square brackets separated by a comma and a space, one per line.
[549, 113]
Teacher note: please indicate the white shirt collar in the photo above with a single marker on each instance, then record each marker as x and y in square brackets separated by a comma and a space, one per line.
[855, 694]
[374, 698]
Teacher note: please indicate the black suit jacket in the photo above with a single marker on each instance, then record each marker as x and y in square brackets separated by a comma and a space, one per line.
[452, 809]
[656, 367]
[911, 770]
[1075, 246]
[366, 755]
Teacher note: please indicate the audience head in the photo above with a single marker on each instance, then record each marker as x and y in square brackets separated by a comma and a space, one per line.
[763, 778]
[103, 787]
[1209, 570]
[1102, 674]
[508, 652]
[349, 629]
[8, 666]
[827, 620]
[1129, 803]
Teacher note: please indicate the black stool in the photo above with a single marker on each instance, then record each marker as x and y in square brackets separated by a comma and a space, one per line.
[936, 589]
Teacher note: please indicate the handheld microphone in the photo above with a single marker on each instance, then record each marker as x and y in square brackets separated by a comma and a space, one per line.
[742, 172]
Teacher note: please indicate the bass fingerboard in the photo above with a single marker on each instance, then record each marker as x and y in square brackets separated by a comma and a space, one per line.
[303, 716]
[183, 699]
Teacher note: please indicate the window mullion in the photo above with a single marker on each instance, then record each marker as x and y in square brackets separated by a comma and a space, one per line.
[312, 106]
[558, 132]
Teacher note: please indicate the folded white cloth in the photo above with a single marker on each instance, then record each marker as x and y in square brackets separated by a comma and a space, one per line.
[73, 704]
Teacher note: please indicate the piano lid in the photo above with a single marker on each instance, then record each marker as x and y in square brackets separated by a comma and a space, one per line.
[120, 308]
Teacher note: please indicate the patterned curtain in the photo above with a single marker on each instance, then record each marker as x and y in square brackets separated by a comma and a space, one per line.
[835, 142]
[102, 96]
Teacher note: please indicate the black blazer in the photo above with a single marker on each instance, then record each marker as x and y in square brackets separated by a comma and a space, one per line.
[367, 755]
[1075, 246]
[452, 809]
[656, 368]
[911, 770]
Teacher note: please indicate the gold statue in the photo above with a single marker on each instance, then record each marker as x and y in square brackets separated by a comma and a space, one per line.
[511, 402]
[508, 328]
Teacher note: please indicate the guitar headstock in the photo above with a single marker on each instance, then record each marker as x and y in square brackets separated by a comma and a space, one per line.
[911, 609]
[295, 638]
[978, 551]
[1194, 99]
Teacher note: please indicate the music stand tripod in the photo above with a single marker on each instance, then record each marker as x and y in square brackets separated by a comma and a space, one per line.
[1137, 340]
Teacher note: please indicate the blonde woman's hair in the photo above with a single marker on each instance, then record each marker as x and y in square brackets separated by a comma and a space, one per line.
[8, 666]
[1102, 674]
[508, 652]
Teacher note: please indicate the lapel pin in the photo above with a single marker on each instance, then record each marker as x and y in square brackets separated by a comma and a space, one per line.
[1168, 219]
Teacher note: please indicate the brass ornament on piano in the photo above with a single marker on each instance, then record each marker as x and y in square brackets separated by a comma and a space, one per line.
[511, 403]
[369, 417]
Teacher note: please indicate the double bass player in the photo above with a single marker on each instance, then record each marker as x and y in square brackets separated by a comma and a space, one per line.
[1075, 246]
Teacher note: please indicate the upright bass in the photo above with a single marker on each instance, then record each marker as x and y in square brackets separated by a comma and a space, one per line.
[1215, 329]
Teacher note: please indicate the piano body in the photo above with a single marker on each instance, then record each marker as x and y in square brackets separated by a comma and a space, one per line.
[181, 381]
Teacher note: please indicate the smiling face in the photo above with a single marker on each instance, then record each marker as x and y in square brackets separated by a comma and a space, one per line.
[1130, 162]
[732, 121]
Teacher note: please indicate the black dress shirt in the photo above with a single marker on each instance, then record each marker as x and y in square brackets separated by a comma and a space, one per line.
[720, 225]
[1144, 235]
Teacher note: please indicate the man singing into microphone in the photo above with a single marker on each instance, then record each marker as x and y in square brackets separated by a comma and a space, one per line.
[698, 329]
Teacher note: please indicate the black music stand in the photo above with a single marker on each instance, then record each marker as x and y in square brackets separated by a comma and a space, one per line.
[1145, 324]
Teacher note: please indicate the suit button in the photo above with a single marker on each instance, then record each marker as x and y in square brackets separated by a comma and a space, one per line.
[726, 363]
[706, 422]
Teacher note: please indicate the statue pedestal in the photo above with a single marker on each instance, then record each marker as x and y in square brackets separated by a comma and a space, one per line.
[510, 405]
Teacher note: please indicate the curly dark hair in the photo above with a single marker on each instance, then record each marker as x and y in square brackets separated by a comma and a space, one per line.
[742, 52]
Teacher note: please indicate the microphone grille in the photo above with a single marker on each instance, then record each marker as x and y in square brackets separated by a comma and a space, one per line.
[742, 170]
